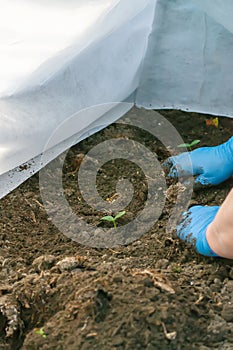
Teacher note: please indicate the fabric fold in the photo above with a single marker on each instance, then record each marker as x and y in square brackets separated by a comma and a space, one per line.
[61, 58]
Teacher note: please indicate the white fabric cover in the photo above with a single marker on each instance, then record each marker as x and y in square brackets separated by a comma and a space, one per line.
[60, 57]
[189, 61]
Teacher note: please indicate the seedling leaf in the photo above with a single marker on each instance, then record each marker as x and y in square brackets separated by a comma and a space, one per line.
[120, 214]
[189, 145]
[195, 142]
[107, 218]
[112, 219]
[184, 145]
[41, 332]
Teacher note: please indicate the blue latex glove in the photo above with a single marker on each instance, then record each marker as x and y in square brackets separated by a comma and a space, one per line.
[211, 165]
[193, 227]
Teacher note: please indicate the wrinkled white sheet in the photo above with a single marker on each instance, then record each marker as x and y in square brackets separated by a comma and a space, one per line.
[189, 61]
[60, 57]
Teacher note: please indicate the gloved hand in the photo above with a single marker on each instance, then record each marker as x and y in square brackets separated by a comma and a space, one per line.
[193, 227]
[211, 165]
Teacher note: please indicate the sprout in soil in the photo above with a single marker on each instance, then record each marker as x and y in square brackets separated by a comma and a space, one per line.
[176, 269]
[189, 145]
[113, 219]
[41, 332]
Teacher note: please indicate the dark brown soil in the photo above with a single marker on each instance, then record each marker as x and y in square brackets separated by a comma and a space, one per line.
[155, 293]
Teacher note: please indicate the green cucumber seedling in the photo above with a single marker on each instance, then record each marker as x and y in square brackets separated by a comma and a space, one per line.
[113, 219]
[41, 332]
[189, 146]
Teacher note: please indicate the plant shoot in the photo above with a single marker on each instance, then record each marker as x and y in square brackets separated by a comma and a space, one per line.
[113, 219]
[189, 146]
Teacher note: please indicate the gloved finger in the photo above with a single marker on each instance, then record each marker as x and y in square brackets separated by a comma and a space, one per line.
[185, 228]
[170, 168]
[193, 227]
[197, 186]
[173, 173]
[183, 164]
[202, 181]
[177, 171]
[167, 164]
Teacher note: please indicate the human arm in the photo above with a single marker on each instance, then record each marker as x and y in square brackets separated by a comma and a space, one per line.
[219, 233]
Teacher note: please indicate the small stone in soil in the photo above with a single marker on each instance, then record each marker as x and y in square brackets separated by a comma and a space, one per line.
[227, 312]
[44, 262]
